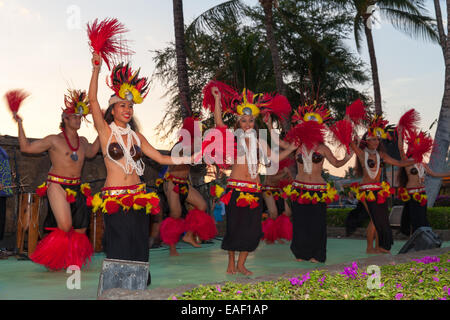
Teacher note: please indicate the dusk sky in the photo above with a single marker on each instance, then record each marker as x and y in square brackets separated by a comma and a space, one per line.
[44, 50]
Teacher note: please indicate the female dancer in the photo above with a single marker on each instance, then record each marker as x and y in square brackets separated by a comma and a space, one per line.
[124, 197]
[309, 192]
[178, 191]
[243, 201]
[411, 180]
[373, 192]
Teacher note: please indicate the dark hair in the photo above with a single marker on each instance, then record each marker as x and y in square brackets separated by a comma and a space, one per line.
[109, 118]
[362, 144]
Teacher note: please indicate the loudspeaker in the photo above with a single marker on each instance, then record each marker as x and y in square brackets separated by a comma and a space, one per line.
[422, 239]
[395, 217]
[124, 274]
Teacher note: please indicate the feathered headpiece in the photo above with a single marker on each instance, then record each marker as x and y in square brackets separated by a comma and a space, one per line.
[76, 102]
[104, 39]
[377, 126]
[127, 85]
[311, 128]
[313, 112]
[419, 144]
[14, 98]
[246, 103]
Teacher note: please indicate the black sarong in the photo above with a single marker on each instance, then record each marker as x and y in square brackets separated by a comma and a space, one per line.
[355, 219]
[414, 216]
[379, 213]
[310, 231]
[126, 235]
[80, 212]
[243, 225]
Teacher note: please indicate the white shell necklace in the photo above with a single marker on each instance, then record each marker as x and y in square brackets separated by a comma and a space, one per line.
[372, 173]
[130, 164]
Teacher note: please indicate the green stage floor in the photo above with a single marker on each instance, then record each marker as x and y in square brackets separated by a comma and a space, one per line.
[26, 280]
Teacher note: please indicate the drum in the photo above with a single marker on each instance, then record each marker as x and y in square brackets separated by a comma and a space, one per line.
[96, 230]
[28, 222]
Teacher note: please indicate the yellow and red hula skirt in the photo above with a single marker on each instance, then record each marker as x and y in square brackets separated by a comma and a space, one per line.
[375, 196]
[59, 249]
[243, 207]
[310, 193]
[309, 206]
[280, 227]
[127, 220]
[135, 197]
[414, 213]
[371, 192]
[417, 194]
[181, 185]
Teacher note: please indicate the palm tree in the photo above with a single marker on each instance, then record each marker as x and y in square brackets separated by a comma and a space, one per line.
[183, 80]
[236, 9]
[440, 151]
[408, 16]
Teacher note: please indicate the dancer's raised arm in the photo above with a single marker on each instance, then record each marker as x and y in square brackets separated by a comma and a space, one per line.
[218, 107]
[97, 114]
[37, 146]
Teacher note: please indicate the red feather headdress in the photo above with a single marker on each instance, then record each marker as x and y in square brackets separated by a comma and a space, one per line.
[15, 98]
[247, 102]
[313, 112]
[127, 85]
[419, 144]
[104, 39]
[377, 126]
[76, 102]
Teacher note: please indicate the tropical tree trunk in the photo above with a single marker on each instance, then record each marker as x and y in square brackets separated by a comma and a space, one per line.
[442, 136]
[268, 17]
[276, 60]
[374, 66]
[183, 80]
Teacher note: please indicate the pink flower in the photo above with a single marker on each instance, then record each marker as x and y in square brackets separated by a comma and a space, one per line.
[381, 285]
[218, 288]
[174, 298]
[436, 279]
[420, 280]
[398, 296]
[239, 292]
[399, 286]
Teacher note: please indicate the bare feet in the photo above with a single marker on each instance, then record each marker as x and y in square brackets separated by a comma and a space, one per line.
[299, 260]
[231, 269]
[381, 250]
[189, 238]
[371, 251]
[244, 271]
[313, 260]
[281, 241]
[269, 242]
[173, 251]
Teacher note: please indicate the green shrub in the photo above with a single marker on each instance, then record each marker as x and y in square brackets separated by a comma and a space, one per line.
[439, 217]
[409, 281]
